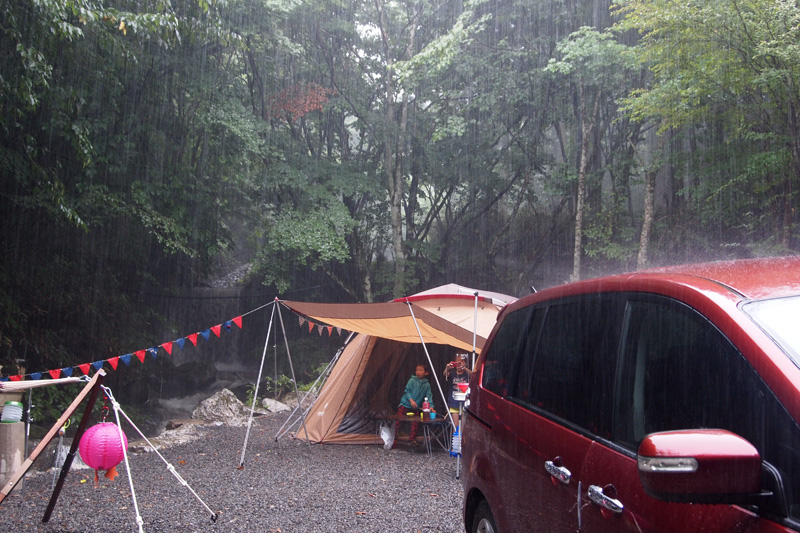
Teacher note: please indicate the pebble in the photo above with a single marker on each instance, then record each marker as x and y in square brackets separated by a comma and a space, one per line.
[283, 486]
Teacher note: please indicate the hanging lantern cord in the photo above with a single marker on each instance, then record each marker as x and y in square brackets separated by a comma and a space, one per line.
[106, 397]
[171, 468]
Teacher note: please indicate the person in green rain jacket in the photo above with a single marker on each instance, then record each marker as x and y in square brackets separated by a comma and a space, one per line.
[417, 389]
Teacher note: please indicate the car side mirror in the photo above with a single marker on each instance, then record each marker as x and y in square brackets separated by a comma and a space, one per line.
[699, 466]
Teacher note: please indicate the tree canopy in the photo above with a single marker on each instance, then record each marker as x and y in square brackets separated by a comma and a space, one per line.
[376, 148]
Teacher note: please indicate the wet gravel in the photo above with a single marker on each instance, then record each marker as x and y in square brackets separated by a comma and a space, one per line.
[284, 486]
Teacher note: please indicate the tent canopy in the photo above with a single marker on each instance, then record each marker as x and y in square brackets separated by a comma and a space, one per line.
[369, 377]
[391, 320]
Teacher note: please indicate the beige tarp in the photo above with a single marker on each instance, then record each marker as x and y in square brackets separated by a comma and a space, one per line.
[373, 368]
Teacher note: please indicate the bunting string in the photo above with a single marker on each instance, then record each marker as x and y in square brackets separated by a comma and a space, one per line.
[167, 347]
[141, 355]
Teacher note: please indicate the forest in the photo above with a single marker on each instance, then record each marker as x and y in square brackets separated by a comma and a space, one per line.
[361, 150]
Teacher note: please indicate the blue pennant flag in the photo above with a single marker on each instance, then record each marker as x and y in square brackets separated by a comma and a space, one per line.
[228, 325]
[180, 342]
[153, 352]
[126, 359]
[36, 375]
[97, 365]
[66, 372]
[206, 334]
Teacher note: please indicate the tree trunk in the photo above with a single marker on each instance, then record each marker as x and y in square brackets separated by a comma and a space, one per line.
[647, 224]
[587, 124]
[394, 144]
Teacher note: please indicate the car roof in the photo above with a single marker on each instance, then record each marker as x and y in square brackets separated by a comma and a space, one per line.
[752, 278]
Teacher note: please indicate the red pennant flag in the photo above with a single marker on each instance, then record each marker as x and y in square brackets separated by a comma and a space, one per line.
[85, 368]
[216, 329]
[167, 347]
[238, 321]
[54, 373]
[310, 326]
[193, 338]
[330, 330]
[140, 354]
[15, 378]
[113, 362]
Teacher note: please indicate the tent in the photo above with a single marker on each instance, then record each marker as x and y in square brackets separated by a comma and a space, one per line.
[369, 377]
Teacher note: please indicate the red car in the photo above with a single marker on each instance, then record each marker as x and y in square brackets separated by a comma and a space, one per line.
[665, 400]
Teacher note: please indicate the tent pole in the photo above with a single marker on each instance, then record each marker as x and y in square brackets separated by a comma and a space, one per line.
[474, 331]
[294, 380]
[255, 392]
[430, 362]
[323, 376]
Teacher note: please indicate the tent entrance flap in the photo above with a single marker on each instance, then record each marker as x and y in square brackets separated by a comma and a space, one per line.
[384, 379]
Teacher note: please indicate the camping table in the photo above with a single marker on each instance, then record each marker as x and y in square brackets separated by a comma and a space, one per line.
[432, 430]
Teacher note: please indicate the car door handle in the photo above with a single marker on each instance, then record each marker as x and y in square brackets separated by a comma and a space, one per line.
[605, 501]
[558, 472]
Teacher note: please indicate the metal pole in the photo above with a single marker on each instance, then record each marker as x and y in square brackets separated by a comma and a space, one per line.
[430, 362]
[255, 392]
[294, 380]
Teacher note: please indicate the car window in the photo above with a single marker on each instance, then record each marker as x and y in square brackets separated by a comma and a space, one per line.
[503, 355]
[568, 370]
[679, 371]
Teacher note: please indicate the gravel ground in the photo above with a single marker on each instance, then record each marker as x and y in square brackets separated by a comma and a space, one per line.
[283, 487]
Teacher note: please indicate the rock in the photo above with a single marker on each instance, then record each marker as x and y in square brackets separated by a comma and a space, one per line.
[274, 406]
[224, 408]
[183, 433]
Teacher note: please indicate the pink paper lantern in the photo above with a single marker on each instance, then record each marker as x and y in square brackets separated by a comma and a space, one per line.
[100, 448]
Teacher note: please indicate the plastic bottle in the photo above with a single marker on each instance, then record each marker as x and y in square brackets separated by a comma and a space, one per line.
[426, 408]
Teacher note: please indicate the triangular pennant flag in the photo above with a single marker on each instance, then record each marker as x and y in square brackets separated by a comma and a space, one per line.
[114, 361]
[180, 342]
[167, 347]
[228, 325]
[15, 378]
[310, 326]
[4, 378]
[85, 368]
[339, 331]
[54, 373]
[66, 372]
[330, 330]
[36, 375]
[126, 359]
[301, 320]
[153, 352]
[206, 334]
[216, 329]
[319, 329]
[97, 365]
[238, 321]
[140, 355]
[193, 338]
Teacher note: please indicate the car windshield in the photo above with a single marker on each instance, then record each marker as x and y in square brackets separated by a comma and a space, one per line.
[778, 318]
